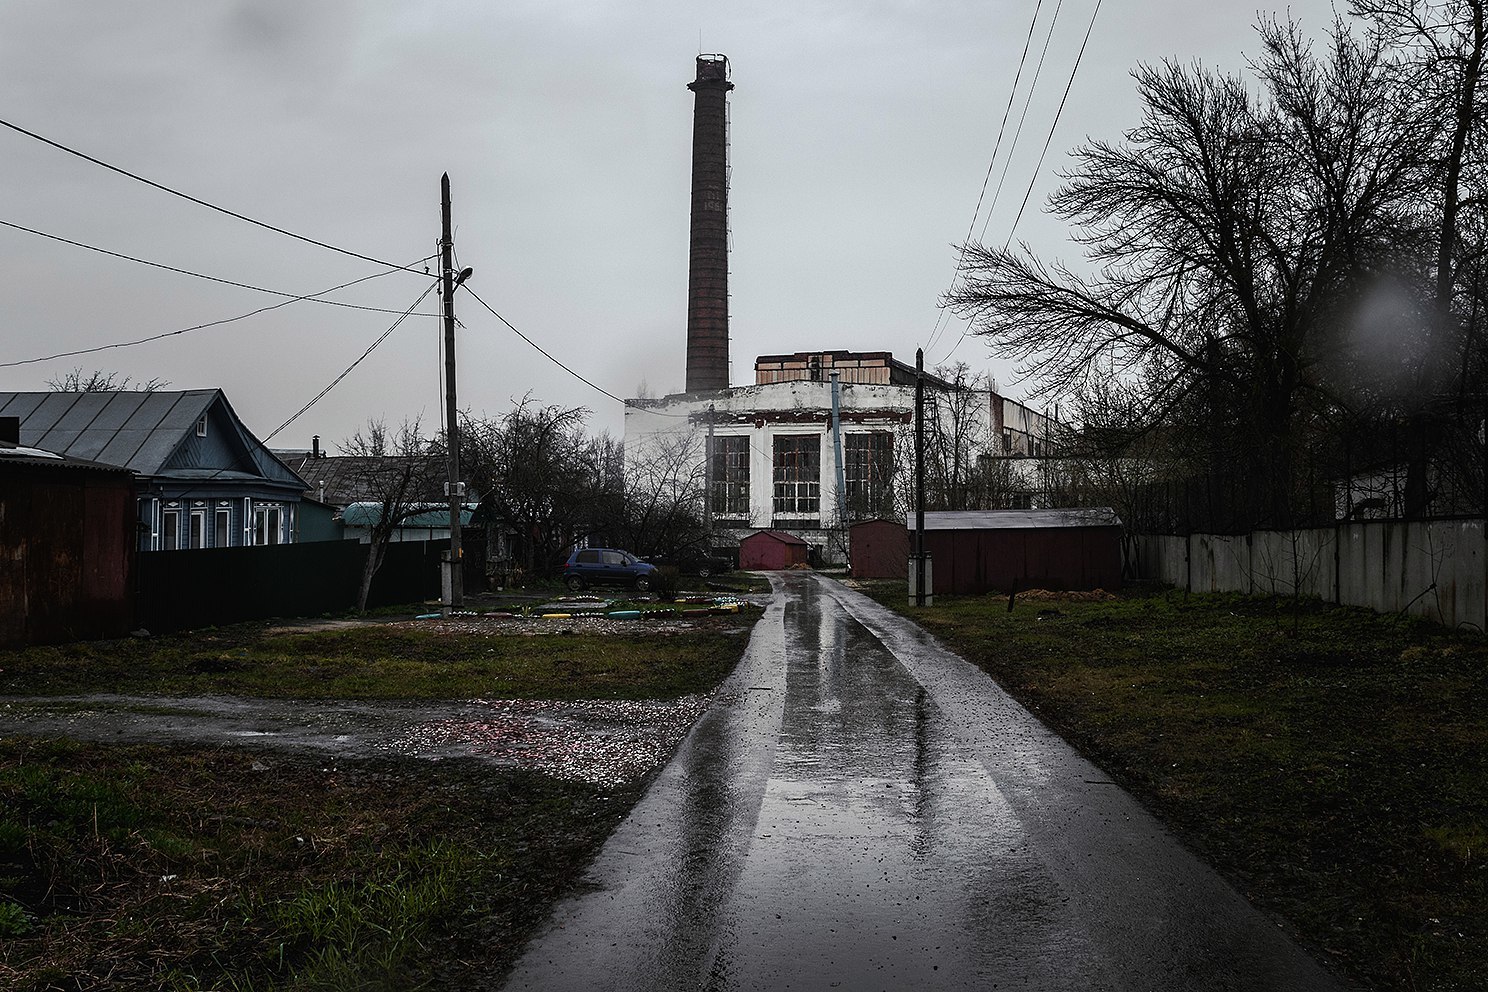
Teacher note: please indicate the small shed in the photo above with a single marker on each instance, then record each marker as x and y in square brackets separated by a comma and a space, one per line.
[978, 551]
[67, 537]
[771, 549]
[316, 521]
[878, 549]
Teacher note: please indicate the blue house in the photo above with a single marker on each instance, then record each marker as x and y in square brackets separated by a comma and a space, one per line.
[202, 480]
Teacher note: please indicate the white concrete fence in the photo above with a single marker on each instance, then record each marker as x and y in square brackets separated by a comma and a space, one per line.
[1432, 568]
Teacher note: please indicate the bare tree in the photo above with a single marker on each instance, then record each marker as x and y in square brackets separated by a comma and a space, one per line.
[98, 381]
[1441, 46]
[965, 467]
[957, 433]
[392, 470]
[664, 489]
[539, 470]
[1229, 234]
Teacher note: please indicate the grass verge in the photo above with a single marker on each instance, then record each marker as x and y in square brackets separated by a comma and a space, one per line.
[1332, 762]
[380, 661]
[190, 869]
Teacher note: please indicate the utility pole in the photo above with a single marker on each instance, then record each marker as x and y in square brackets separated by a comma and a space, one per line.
[837, 451]
[708, 482]
[454, 579]
[920, 560]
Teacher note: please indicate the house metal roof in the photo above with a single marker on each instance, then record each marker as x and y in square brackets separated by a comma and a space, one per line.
[1100, 516]
[417, 515]
[346, 479]
[145, 432]
[135, 430]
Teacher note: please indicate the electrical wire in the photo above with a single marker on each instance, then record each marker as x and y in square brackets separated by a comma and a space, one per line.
[1012, 93]
[1047, 140]
[212, 323]
[197, 200]
[203, 275]
[264, 443]
[1038, 73]
[546, 354]
[347, 371]
[1057, 114]
[1007, 162]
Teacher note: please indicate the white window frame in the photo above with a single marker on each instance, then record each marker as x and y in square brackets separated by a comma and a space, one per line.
[170, 526]
[268, 524]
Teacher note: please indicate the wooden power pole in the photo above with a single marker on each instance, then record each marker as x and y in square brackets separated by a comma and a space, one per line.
[919, 422]
[454, 579]
[708, 482]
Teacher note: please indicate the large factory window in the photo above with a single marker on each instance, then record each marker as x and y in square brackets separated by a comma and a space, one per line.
[729, 483]
[797, 474]
[868, 465]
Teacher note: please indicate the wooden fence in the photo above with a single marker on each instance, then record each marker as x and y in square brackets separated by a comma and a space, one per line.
[1434, 568]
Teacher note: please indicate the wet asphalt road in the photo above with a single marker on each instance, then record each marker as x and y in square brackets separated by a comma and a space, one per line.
[861, 809]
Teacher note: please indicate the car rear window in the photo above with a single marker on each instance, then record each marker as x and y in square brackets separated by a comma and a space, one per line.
[588, 558]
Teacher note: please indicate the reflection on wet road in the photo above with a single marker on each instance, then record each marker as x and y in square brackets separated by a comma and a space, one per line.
[860, 809]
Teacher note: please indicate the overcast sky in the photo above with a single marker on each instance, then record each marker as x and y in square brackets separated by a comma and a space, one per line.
[861, 132]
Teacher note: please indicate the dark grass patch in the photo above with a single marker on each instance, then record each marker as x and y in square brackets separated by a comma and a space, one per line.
[388, 662]
[153, 868]
[1330, 761]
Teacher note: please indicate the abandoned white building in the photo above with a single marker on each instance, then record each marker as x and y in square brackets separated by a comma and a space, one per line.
[773, 457]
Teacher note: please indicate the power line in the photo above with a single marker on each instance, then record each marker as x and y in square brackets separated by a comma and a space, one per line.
[197, 200]
[212, 323]
[1012, 93]
[347, 371]
[1057, 114]
[1047, 139]
[1038, 73]
[546, 354]
[210, 278]
[1007, 162]
[264, 443]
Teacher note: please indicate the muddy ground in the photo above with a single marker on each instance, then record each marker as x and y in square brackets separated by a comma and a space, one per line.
[600, 742]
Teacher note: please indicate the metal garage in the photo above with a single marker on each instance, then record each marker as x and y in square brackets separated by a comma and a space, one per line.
[978, 551]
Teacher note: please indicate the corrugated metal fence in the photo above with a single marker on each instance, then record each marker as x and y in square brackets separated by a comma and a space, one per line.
[1434, 568]
[182, 590]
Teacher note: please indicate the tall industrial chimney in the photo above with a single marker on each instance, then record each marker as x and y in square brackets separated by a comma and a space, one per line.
[707, 271]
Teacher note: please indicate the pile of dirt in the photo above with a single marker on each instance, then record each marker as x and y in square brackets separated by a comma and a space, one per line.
[1071, 596]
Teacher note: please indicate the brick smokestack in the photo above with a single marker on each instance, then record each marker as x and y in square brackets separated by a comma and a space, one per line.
[707, 270]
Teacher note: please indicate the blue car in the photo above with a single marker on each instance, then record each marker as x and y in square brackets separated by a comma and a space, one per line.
[607, 567]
